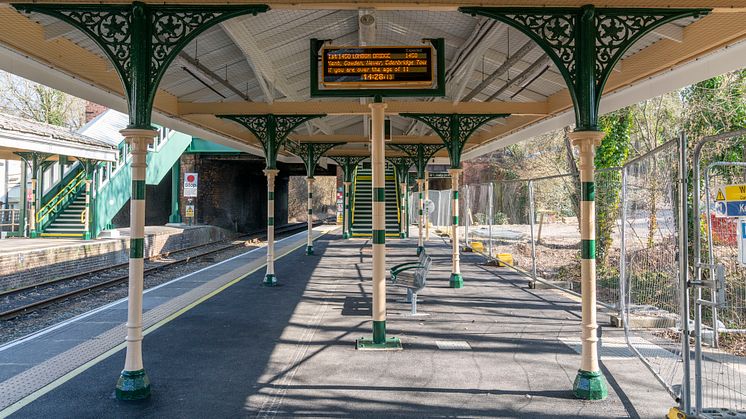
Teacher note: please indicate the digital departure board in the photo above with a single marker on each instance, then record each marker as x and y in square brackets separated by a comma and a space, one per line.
[382, 67]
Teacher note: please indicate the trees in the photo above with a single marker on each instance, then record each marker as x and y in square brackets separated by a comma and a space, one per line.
[41, 103]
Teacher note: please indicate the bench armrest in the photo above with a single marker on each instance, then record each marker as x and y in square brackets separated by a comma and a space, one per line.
[403, 265]
[394, 273]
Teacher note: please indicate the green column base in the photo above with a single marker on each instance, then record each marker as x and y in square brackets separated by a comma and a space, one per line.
[345, 235]
[174, 218]
[87, 235]
[420, 249]
[456, 281]
[33, 234]
[590, 385]
[402, 235]
[133, 385]
[388, 344]
[309, 250]
[270, 280]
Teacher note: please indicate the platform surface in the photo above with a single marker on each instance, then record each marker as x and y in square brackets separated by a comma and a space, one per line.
[492, 349]
[23, 244]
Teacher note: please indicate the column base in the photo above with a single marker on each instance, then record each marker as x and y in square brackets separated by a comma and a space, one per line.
[420, 249]
[345, 235]
[388, 344]
[33, 234]
[309, 250]
[402, 235]
[87, 235]
[174, 218]
[133, 385]
[456, 281]
[590, 385]
[270, 280]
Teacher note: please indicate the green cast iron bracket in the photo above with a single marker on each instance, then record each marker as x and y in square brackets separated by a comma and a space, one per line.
[271, 130]
[584, 43]
[310, 153]
[420, 153]
[141, 40]
[348, 165]
[438, 91]
[402, 165]
[454, 129]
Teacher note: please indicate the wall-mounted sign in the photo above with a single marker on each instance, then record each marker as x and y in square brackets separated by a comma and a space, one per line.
[189, 211]
[363, 67]
[439, 175]
[190, 184]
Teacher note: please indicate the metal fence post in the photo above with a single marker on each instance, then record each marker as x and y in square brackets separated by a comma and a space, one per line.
[490, 194]
[684, 274]
[623, 254]
[532, 217]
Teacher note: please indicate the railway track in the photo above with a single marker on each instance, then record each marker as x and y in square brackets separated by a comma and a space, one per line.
[21, 301]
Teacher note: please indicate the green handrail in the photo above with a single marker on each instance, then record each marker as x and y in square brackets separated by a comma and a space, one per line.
[62, 198]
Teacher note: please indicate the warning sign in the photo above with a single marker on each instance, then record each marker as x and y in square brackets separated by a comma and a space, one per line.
[189, 212]
[190, 184]
[731, 193]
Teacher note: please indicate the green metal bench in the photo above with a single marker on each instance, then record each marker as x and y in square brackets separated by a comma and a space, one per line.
[412, 276]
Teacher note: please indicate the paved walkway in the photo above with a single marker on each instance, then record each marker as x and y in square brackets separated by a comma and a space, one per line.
[492, 349]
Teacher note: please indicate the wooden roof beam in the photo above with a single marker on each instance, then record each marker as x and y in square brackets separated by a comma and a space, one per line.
[356, 108]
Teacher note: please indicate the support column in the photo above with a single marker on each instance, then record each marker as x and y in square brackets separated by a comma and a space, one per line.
[175, 216]
[87, 214]
[34, 198]
[456, 281]
[590, 383]
[378, 167]
[23, 201]
[269, 279]
[403, 210]
[420, 211]
[427, 196]
[346, 211]
[309, 244]
[133, 383]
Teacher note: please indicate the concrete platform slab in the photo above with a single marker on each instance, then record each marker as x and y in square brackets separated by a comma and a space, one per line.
[492, 349]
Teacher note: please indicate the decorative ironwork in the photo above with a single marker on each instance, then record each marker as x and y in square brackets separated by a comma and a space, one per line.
[141, 40]
[454, 129]
[310, 153]
[348, 164]
[271, 130]
[402, 164]
[420, 153]
[585, 43]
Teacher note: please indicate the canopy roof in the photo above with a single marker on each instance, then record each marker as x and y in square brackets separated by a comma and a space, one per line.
[259, 64]
[23, 135]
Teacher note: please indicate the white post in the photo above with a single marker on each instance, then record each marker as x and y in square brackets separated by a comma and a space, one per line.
[403, 211]
[456, 281]
[590, 382]
[346, 210]
[133, 383]
[420, 216]
[309, 244]
[269, 279]
[427, 196]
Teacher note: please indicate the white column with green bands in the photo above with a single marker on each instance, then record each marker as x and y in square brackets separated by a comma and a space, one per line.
[403, 210]
[346, 211]
[590, 382]
[133, 383]
[456, 281]
[378, 165]
[269, 279]
[427, 196]
[309, 244]
[420, 215]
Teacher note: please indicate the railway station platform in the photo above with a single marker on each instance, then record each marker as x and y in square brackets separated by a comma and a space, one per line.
[26, 262]
[219, 344]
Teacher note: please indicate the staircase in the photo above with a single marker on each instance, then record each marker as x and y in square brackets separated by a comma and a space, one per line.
[362, 206]
[68, 223]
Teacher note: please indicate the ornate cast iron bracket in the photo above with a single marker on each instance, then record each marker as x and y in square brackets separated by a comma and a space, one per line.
[310, 153]
[420, 153]
[141, 40]
[271, 130]
[584, 43]
[348, 165]
[454, 130]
